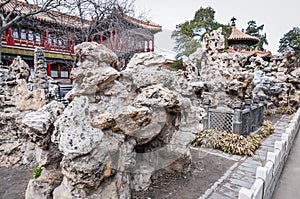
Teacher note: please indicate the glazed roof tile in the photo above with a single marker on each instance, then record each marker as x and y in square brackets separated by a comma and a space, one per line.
[237, 35]
[57, 17]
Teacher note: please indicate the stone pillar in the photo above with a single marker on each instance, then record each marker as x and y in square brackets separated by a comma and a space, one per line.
[261, 107]
[40, 80]
[255, 114]
[206, 124]
[237, 118]
[248, 103]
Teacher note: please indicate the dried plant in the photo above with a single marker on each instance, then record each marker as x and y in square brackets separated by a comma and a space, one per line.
[228, 142]
[285, 110]
[269, 112]
[266, 129]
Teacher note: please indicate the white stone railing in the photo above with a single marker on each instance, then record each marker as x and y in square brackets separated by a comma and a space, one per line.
[268, 175]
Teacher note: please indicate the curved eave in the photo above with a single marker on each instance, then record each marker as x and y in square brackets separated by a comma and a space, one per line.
[154, 28]
[242, 41]
[52, 16]
[262, 54]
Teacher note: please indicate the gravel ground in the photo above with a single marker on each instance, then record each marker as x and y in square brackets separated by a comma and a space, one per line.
[204, 172]
[14, 181]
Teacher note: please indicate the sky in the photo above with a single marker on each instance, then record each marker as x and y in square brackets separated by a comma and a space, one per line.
[278, 16]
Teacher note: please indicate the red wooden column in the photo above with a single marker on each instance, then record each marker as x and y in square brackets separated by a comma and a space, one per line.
[10, 38]
[71, 45]
[46, 42]
[148, 45]
[101, 38]
[123, 42]
[116, 40]
[111, 40]
[48, 69]
[58, 70]
[152, 44]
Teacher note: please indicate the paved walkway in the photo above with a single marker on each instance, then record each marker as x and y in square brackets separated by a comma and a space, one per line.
[289, 183]
[243, 172]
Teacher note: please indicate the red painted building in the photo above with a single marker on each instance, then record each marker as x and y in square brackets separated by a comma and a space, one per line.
[58, 35]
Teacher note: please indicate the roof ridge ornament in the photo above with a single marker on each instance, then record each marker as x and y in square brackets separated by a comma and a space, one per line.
[233, 19]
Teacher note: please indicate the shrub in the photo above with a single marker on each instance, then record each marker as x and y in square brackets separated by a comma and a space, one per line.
[37, 172]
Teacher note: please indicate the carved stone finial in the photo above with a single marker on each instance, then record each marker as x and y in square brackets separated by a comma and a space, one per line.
[237, 105]
[248, 102]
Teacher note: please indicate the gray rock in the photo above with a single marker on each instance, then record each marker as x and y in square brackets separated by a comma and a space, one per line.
[43, 186]
[73, 133]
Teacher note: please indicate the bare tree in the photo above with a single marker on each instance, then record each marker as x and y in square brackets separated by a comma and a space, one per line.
[13, 12]
[112, 22]
[70, 22]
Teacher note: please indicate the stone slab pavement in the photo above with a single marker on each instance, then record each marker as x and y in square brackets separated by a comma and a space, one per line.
[289, 183]
[243, 172]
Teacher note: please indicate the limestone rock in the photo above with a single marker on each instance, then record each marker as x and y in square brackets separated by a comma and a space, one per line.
[142, 76]
[41, 120]
[119, 125]
[88, 171]
[296, 73]
[43, 186]
[28, 100]
[39, 124]
[93, 54]
[91, 82]
[49, 157]
[146, 59]
[63, 191]
[93, 73]
[73, 132]
[40, 80]
[19, 69]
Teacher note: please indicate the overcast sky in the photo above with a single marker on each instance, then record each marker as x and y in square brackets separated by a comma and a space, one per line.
[278, 16]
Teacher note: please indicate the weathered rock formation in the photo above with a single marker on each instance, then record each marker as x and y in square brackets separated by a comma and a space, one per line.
[225, 78]
[10, 78]
[120, 127]
[40, 80]
[26, 121]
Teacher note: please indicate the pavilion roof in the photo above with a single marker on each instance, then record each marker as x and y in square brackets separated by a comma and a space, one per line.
[237, 35]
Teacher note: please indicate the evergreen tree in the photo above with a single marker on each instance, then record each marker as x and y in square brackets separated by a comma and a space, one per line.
[255, 31]
[291, 41]
[189, 34]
